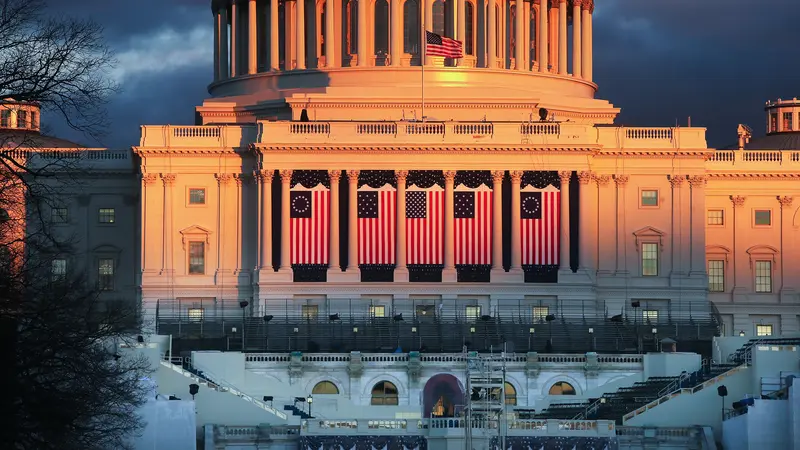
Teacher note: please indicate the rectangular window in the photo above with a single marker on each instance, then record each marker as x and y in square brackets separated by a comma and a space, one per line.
[105, 280]
[58, 269]
[22, 119]
[763, 330]
[773, 122]
[649, 197]
[197, 258]
[716, 276]
[5, 118]
[59, 215]
[716, 217]
[196, 314]
[33, 119]
[649, 259]
[310, 312]
[763, 218]
[106, 215]
[764, 276]
[472, 312]
[540, 312]
[197, 196]
[377, 311]
[787, 121]
[650, 315]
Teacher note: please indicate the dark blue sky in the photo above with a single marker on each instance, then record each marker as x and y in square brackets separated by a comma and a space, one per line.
[717, 61]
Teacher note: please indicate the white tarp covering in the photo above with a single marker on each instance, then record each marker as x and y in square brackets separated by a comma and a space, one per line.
[170, 424]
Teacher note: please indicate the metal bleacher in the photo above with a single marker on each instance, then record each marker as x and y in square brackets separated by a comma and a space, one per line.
[224, 325]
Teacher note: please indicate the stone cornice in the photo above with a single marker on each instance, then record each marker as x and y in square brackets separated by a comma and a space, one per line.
[682, 153]
[744, 176]
[189, 151]
[418, 149]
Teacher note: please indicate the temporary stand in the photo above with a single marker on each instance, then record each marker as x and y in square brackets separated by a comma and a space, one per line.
[485, 409]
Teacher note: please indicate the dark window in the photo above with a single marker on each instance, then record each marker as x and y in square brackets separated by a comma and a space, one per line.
[105, 275]
[384, 393]
[197, 196]
[197, 258]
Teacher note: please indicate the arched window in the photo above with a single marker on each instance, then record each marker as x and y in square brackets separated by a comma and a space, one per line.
[438, 18]
[510, 394]
[324, 388]
[351, 27]
[411, 33]
[512, 31]
[322, 27]
[562, 388]
[381, 27]
[469, 31]
[384, 393]
[533, 30]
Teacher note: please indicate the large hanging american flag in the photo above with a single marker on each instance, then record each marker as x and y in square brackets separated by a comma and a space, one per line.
[473, 225]
[377, 212]
[541, 219]
[309, 217]
[424, 224]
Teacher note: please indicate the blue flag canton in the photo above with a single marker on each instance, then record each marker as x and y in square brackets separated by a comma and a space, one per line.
[432, 38]
[301, 205]
[531, 205]
[368, 205]
[416, 205]
[464, 203]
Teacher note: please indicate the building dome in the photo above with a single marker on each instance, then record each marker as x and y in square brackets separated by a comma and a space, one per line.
[783, 128]
[272, 59]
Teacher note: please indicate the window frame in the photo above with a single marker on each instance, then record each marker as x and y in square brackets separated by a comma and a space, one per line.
[61, 275]
[54, 214]
[473, 308]
[657, 258]
[770, 275]
[755, 215]
[309, 312]
[196, 318]
[641, 198]
[385, 399]
[189, 191]
[766, 326]
[722, 218]
[105, 281]
[788, 121]
[720, 275]
[650, 315]
[189, 256]
[101, 215]
[374, 309]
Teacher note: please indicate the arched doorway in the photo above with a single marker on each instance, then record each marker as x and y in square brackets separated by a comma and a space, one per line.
[440, 396]
[326, 388]
[561, 388]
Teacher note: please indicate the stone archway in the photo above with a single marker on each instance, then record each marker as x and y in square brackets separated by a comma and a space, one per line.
[440, 396]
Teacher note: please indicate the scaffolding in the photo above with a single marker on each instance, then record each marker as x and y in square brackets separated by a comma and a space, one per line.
[485, 402]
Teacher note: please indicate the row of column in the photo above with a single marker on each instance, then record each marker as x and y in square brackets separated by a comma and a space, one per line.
[551, 40]
[265, 180]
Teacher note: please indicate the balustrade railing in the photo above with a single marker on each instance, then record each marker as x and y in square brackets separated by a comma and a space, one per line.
[776, 159]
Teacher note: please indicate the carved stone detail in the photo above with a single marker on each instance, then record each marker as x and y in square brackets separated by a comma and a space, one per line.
[401, 176]
[223, 178]
[677, 181]
[565, 176]
[498, 175]
[449, 175]
[264, 175]
[148, 179]
[737, 200]
[785, 201]
[622, 180]
[584, 177]
[588, 5]
[286, 176]
[698, 180]
[168, 179]
[352, 175]
[516, 176]
[602, 180]
[335, 175]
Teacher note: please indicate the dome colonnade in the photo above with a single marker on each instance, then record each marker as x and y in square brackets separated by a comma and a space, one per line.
[253, 36]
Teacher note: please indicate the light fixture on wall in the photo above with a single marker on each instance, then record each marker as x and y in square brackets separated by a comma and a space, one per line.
[741, 333]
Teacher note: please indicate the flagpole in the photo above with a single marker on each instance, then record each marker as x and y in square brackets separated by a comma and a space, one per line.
[423, 55]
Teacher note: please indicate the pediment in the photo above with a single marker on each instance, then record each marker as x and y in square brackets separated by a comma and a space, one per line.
[196, 232]
[717, 249]
[107, 248]
[762, 250]
[649, 231]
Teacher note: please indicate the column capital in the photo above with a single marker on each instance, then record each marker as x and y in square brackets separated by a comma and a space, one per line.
[588, 5]
[240, 178]
[585, 176]
[602, 180]
[168, 178]
[622, 180]
[335, 175]
[401, 176]
[676, 181]
[497, 175]
[148, 179]
[554, 3]
[263, 175]
[223, 178]
[785, 201]
[737, 200]
[565, 176]
[516, 176]
[286, 176]
[352, 176]
[697, 180]
[449, 175]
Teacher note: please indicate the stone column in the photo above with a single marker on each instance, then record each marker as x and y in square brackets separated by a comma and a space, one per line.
[491, 53]
[264, 177]
[519, 49]
[449, 273]
[622, 258]
[274, 51]
[401, 270]
[553, 38]
[396, 32]
[542, 40]
[217, 41]
[288, 42]
[223, 180]
[300, 33]
[330, 34]
[334, 265]
[428, 5]
[167, 266]
[605, 244]
[538, 36]
[563, 257]
[740, 226]
[678, 266]
[587, 238]
[252, 42]
[352, 218]
[362, 33]
[576, 38]
[586, 44]
[148, 180]
[286, 224]
[516, 221]
[562, 37]
[497, 220]
[698, 227]
[787, 238]
[234, 38]
[587, 48]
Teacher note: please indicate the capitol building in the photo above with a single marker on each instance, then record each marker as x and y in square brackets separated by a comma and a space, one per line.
[362, 244]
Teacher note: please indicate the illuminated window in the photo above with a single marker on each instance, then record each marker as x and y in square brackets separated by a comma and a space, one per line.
[716, 276]
[650, 315]
[540, 312]
[196, 314]
[197, 258]
[106, 215]
[763, 330]
[5, 118]
[59, 215]
[562, 388]
[325, 388]
[762, 217]
[310, 312]
[773, 122]
[472, 312]
[58, 269]
[764, 276]
[423, 311]
[197, 196]
[105, 274]
[33, 119]
[716, 217]
[649, 197]
[787, 121]
[510, 394]
[384, 393]
[377, 311]
[22, 119]
[649, 259]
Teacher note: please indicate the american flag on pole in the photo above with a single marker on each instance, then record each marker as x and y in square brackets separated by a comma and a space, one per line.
[436, 45]
[377, 212]
[424, 225]
[473, 225]
[540, 216]
[309, 223]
